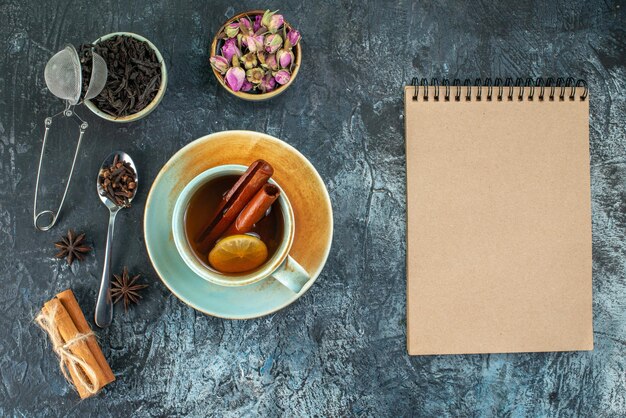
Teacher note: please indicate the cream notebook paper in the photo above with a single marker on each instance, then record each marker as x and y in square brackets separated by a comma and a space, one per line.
[498, 218]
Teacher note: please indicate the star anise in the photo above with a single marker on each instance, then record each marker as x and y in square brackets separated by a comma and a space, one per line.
[123, 287]
[72, 247]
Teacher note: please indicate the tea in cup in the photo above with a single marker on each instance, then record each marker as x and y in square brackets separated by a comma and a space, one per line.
[233, 225]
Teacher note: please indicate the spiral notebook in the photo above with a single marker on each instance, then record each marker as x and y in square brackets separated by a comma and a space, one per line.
[498, 216]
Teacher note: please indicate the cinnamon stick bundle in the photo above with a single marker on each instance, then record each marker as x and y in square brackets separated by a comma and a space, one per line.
[80, 357]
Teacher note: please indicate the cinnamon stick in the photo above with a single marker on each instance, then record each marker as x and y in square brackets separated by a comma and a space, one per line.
[255, 210]
[233, 202]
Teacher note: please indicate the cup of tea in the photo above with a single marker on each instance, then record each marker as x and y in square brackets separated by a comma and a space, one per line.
[200, 212]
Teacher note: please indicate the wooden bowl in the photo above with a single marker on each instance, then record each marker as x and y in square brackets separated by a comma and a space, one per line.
[255, 97]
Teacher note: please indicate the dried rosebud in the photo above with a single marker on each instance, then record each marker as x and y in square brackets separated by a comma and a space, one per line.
[273, 43]
[235, 61]
[219, 63]
[249, 60]
[285, 58]
[282, 76]
[254, 42]
[270, 62]
[275, 23]
[255, 75]
[230, 49]
[245, 25]
[232, 29]
[293, 36]
[235, 77]
[261, 57]
[257, 23]
[246, 86]
[267, 84]
[267, 16]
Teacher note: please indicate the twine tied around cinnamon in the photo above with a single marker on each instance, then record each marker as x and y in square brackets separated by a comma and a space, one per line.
[69, 362]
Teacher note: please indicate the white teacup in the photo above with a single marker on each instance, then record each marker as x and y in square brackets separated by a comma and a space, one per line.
[280, 266]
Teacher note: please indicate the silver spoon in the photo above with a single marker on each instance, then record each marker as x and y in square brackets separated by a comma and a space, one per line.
[104, 304]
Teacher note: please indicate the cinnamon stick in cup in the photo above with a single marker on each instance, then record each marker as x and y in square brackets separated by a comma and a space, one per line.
[255, 210]
[255, 177]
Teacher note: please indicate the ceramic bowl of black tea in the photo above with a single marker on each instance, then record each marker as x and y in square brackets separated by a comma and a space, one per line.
[137, 76]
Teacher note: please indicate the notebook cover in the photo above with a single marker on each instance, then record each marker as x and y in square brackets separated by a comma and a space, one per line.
[498, 225]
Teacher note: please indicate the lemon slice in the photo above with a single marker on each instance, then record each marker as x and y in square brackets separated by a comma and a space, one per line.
[238, 253]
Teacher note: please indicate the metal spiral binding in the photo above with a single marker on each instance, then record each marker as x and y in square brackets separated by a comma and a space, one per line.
[527, 88]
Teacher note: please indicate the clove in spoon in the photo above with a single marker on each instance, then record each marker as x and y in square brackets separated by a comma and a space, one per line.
[104, 304]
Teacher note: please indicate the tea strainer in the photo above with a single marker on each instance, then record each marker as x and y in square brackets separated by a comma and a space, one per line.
[63, 75]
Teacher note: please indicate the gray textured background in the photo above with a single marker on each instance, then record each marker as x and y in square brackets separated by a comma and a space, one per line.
[340, 350]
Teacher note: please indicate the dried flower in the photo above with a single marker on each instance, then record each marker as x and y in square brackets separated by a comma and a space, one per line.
[267, 18]
[254, 42]
[275, 23]
[261, 57]
[282, 77]
[235, 61]
[246, 26]
[235, 77]
[232, 29]
[293, 36]
[267, 84]
[273, 43]
[270, 62]
[255, 75]
[249, 60]
[257, 23]
[230, 49]
[284, 57]
[247, 86]
[219, 63]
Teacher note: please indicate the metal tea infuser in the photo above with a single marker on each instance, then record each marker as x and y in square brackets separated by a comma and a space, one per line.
[63, 75]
